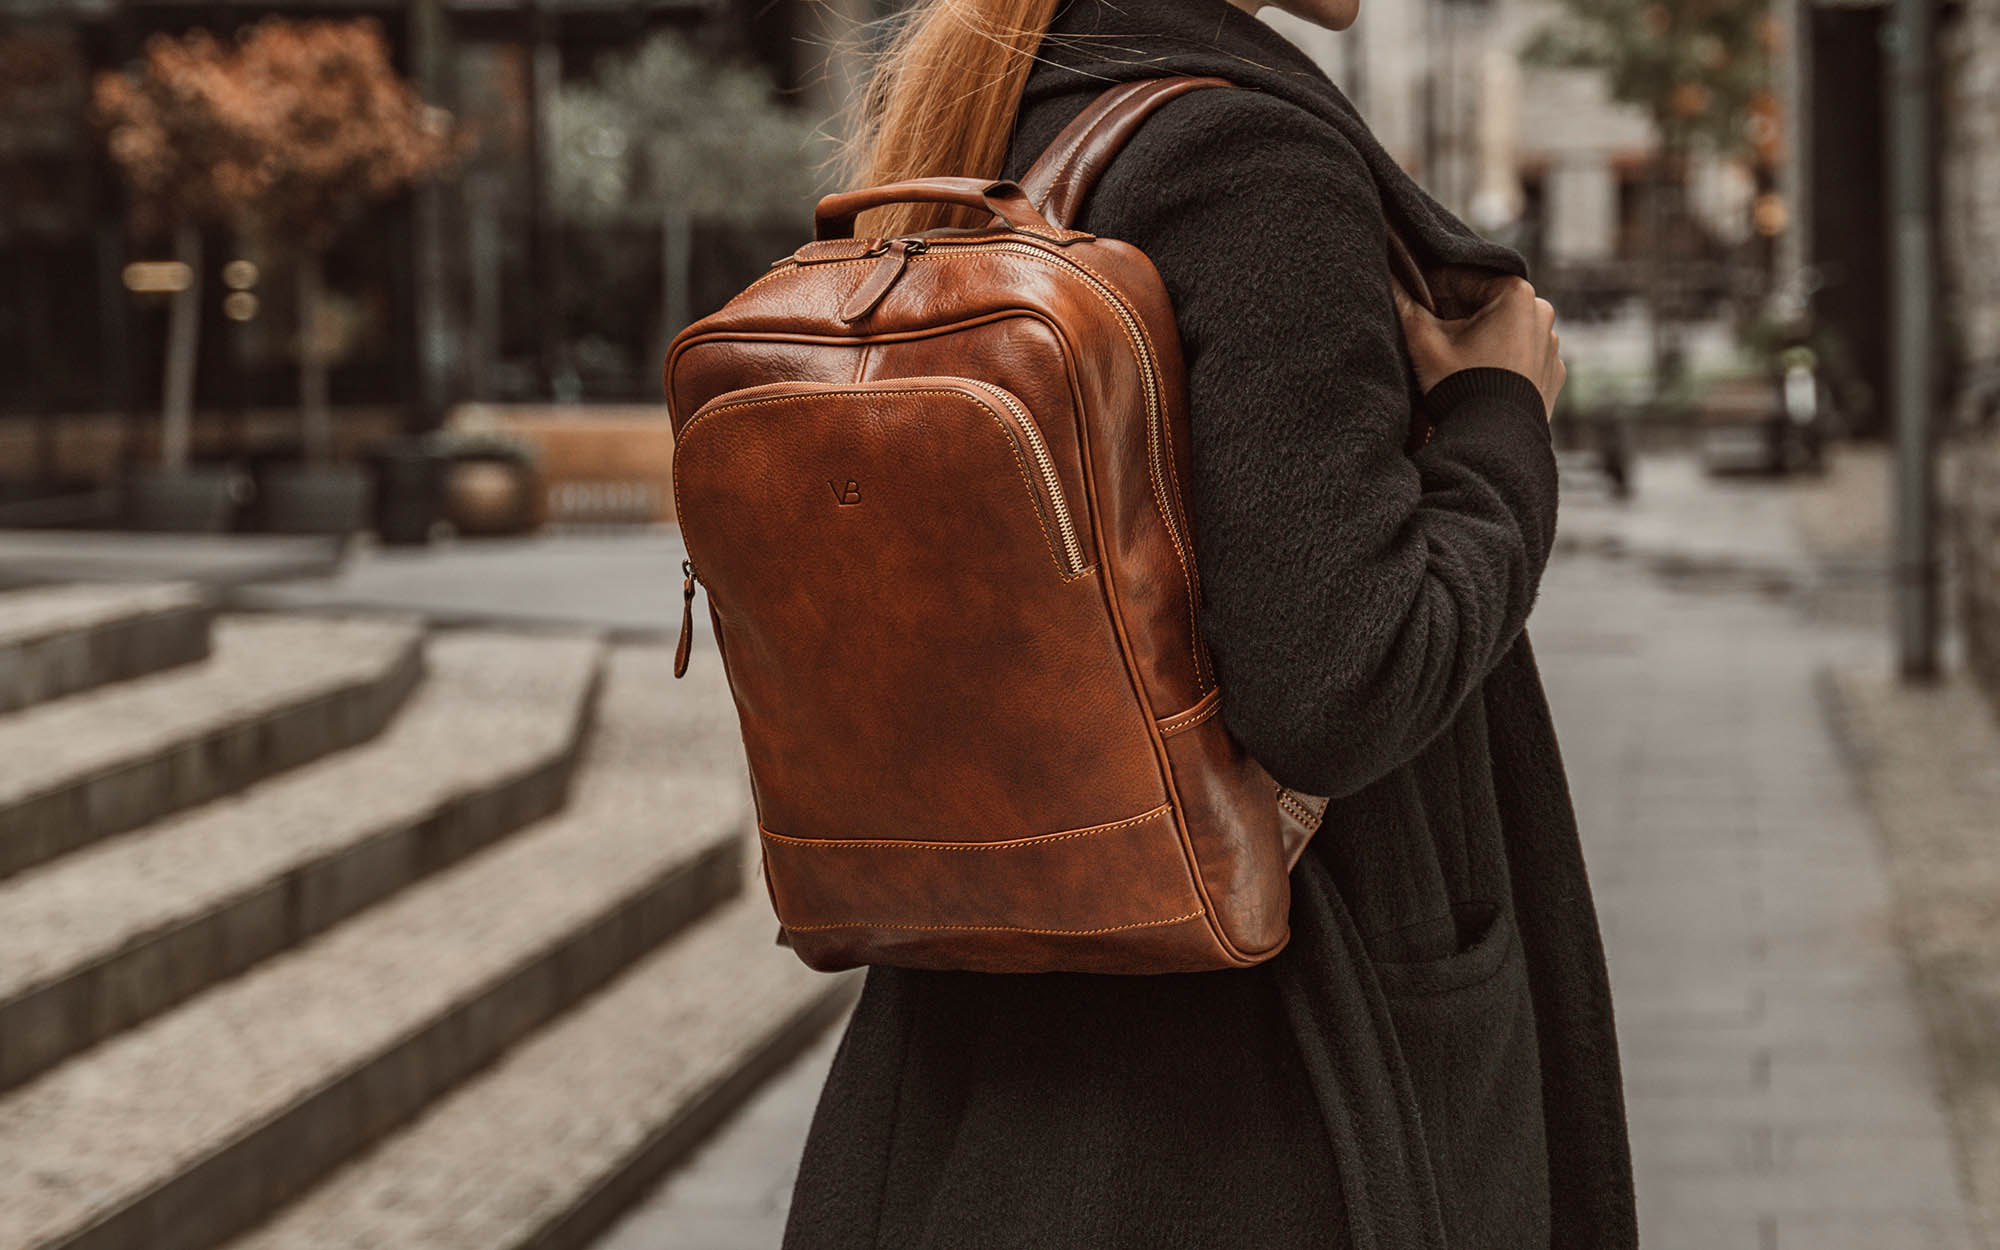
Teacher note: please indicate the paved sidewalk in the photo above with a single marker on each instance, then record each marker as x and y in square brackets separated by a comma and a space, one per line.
[1929, 757]
[38, 557]
[626, 582]
[1780, 1085]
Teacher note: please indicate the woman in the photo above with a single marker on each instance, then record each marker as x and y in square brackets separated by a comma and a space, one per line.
[1430, 1064]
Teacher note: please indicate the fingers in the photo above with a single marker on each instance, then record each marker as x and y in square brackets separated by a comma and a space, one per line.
[1406, 304]
[1511, 302]
[1558, 374]
[1513, 329]
[1466, 286]
[1422, 331]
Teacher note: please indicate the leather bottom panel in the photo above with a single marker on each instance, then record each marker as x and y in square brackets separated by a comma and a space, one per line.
[1117, 895]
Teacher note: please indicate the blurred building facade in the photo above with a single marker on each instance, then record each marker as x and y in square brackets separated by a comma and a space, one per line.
[478, 290]
[1971, 200]
[464, 292]
[1542, 157]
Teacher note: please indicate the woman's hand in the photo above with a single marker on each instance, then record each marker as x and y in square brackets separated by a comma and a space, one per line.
[1512, 330]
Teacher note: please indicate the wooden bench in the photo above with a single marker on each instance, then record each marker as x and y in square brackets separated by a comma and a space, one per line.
[599, 465]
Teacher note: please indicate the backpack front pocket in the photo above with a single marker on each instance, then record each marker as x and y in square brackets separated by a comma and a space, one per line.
[919, 644]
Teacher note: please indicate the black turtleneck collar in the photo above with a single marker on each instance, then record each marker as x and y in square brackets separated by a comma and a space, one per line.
[1093, 43]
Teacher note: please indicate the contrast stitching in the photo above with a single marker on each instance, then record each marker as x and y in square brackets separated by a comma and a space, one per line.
[1060, 167]
[1015, 844]
[797, 264]
[1198, 714]
[1203, 676]
[1158, 430]
[1055, 234]
[1013, 447]
[1298, 810]
[1106, 119]
[997, 928]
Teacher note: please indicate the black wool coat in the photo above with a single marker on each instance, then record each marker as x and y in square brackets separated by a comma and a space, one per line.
[1430, 1064]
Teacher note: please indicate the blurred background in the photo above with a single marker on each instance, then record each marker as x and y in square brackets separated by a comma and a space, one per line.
[367, 881]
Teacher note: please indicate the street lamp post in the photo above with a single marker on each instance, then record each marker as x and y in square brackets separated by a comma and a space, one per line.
[1913, 337]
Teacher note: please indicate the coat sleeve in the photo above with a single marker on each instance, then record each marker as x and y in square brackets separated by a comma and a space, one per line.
[1354, 595]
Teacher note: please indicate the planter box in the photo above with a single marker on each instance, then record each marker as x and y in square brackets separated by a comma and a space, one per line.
[200, 500]
[595, 465]
[490, 496]
[314, 499]
[409, 493]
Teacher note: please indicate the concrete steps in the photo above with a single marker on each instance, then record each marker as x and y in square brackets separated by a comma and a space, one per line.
[196, 1124]
[65, 639]
[274, 693]
[593, 1109]
[299, 917]
[101, 939]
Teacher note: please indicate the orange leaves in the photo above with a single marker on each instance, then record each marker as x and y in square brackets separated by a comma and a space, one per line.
[1689, 100]
[293, 129]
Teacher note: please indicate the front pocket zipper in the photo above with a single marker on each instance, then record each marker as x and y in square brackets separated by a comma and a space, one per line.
[1045, 464]
[1038, 463]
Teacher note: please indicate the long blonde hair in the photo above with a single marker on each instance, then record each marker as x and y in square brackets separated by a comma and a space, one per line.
[941, 100]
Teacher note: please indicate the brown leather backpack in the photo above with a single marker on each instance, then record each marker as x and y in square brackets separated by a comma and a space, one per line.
[935, 488]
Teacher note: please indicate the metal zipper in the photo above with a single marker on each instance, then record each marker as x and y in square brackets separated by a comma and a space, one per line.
[1045, 464]
[686, 643]
[1031, 440]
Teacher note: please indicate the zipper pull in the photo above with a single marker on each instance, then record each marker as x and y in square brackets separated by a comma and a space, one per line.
[883, 276]
[687, 619]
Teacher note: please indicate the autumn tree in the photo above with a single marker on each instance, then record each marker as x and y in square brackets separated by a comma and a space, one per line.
[1701, 70]
[291, 133]
[169, 144]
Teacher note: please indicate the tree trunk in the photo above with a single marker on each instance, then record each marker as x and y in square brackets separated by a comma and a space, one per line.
[183, 338]
[676, 275]
[315, 414]
[1663, 219]
[428, 46]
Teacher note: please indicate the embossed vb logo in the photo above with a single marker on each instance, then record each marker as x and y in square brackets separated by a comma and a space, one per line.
[845, 495]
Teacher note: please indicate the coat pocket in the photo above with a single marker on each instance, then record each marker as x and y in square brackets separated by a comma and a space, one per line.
[1465, 1025]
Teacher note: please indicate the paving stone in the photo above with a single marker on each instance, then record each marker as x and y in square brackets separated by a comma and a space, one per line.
[1734, 1069]
[40, 557]
[110, 934]
[1705, 1149]
[274, 693]
[1867, 1195]
[1847, 1232]
[196, 1124]
[61, 640]
[1865, 1153]
[1671, 1227]
[597, 1104]
[700, 1230]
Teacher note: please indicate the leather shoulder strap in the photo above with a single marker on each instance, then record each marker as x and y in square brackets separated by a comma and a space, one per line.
[1064, 174]
[1060, 179]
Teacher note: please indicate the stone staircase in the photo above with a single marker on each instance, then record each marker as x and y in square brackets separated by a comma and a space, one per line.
[341, 933]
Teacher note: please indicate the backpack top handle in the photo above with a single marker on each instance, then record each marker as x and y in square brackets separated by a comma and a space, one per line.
[834, 218]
